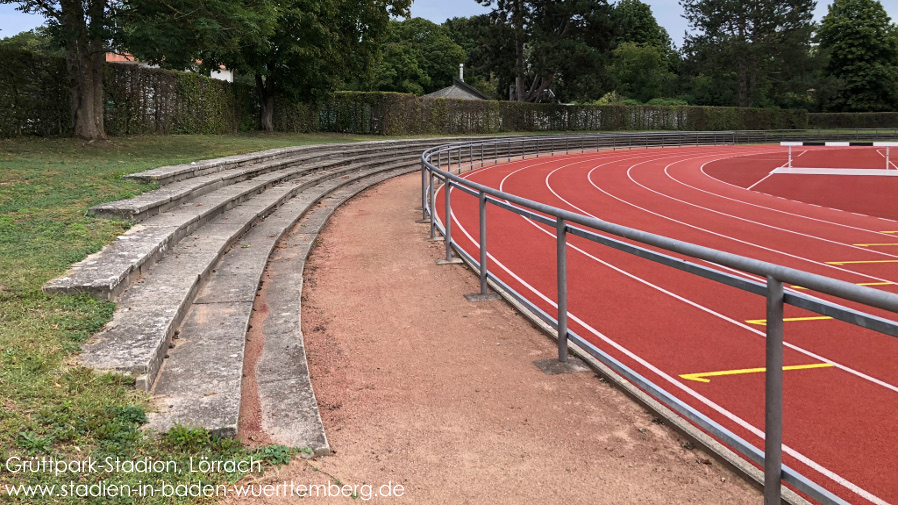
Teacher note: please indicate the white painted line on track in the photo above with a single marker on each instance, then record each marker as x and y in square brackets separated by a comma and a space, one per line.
[760, 181]
[724, 317]
[726, 413]
[702, 169]
[722, 235]
[778, 228]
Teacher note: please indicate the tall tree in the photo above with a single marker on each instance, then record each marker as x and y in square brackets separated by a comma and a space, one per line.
[641, 71]
[316, 46]
[862, 45]
[176, 33]
[82, 27]
[555, 43]
[644, 60]
[490, 52]
[634, 22]
[747, 43]
[418, 57]
[87, 29]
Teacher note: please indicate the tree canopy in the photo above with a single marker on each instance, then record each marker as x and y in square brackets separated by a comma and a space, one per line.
[418, 57]
[756, 53]
[750, 49]
[862, 46]
[634, 22]
[171, 33]
[558, 45]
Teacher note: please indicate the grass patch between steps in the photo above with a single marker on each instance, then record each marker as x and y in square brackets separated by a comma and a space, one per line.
[49, 406]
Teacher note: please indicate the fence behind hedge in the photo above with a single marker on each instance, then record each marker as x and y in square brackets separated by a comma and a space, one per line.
[34, 100]
[400, 114]
[34, 97]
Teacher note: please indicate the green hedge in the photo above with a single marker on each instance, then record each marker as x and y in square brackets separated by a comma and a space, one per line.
[828, 120]
[34, 99]
[401, 114]
[139, 100]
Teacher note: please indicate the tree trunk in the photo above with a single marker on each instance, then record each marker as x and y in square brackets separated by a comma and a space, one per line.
[742, 89]
[265, 88]
[85, 58]
[519, 51]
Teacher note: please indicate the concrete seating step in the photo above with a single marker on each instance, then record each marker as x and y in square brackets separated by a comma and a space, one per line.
[200, 383]
[107, 273]
[171, 195]
[136, 341]
[173, 173]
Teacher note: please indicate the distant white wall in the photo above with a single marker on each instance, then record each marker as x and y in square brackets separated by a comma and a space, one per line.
[223, 75]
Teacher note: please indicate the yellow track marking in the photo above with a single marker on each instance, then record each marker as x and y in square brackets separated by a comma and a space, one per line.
[763, 322]
[859, 262]
[874, 245]
[700, 377]
[889, 232]
[856, 284]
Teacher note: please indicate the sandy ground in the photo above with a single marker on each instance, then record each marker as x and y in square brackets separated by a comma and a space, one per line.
[419, 388]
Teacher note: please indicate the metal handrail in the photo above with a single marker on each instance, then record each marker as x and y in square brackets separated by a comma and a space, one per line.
[457, 157]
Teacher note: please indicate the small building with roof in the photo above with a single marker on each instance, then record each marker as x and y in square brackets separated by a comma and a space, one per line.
[459, 89]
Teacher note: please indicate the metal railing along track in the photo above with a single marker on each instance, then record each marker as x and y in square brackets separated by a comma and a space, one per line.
[444, 164]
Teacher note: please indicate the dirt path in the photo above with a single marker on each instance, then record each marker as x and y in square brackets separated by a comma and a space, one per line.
[420, 388]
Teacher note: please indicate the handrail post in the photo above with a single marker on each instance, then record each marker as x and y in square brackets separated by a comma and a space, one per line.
[483, 287]
[448, 224]
[773, 415]
[433, 208]
[561, 243]
[423, 190]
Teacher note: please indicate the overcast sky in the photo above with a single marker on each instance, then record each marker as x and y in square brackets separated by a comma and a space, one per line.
[668, 12]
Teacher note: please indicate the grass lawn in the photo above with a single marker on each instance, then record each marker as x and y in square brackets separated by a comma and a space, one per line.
[49, 406]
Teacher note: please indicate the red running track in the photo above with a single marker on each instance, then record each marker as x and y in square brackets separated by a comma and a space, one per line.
[839, 427]
[873, 196]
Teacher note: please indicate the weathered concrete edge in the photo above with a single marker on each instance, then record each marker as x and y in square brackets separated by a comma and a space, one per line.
[144, 381]
[160, 422]
[140, 208]
[173, 173]
[146, 373]
[719, 451]
[369, 181]
[111, 291]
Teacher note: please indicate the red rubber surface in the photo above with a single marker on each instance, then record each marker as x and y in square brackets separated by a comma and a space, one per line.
[873, 196]
[839, 421]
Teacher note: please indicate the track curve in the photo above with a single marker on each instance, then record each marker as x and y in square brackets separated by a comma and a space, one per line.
[665, 323]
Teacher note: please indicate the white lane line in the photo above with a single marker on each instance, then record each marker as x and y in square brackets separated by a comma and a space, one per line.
[726, 413]
[722, 316]
[706, 174]
[772, 172]
[759, 182]
[721, 235]
[815, 237]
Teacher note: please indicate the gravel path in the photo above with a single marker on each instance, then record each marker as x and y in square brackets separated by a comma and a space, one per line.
[420, 388]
